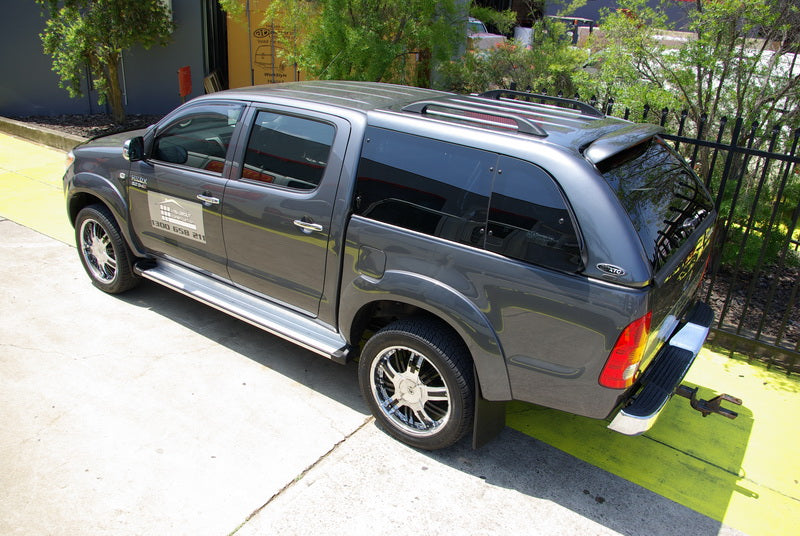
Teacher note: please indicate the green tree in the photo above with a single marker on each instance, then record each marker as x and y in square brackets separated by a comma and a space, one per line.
[735, 58]
[738, 59]
[93, 34]
[373, 40]
[503, 21]
[549, 64]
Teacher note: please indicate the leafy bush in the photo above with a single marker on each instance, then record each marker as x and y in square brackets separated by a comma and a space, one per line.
[549, 63]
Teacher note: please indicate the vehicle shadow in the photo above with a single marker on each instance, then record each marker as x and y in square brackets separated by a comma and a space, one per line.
[679, 477]
[693, 460]
[684, 463]
[534, 468]
[330, 379]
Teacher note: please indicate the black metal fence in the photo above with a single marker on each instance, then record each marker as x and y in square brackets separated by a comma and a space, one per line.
[753, 282]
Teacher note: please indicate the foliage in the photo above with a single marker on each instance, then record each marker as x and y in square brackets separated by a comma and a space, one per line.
[388, 41]
[549, 64]
[93, 34]
[503, 21]
[234, 8]
[737, 61]
[530, 10]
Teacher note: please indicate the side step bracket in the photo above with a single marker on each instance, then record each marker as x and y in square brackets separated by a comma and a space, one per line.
[707, 407]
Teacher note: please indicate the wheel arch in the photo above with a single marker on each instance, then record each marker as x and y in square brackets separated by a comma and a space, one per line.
[369, 304]
[88, 189]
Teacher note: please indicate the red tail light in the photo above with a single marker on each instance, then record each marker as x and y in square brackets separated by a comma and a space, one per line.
[623, 362]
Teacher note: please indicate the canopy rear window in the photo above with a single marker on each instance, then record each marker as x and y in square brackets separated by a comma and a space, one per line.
[663, 197]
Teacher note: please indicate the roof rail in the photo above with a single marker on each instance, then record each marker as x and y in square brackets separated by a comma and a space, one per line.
[523, 125]
[582, 107]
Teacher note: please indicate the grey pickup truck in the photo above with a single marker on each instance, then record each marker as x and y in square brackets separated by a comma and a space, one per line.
[466, 250]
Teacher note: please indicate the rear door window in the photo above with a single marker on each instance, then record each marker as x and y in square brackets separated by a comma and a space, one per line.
[430, 186]
[288, 151]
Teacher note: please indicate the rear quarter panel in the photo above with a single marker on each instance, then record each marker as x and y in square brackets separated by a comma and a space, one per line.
[536, 335]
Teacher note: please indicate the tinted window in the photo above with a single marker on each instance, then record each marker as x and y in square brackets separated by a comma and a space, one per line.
[529, 220]
[287, 150]
[429, 186]
[199, 138]
[663, 197]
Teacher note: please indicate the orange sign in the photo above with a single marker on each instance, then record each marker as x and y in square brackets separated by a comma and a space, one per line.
[254, 50]
[184, 81]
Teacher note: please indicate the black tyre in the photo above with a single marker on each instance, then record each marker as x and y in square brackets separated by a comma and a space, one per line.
[417, 378]
[104, 254]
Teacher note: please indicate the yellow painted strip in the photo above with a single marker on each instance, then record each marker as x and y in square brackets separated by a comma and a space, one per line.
[31, 191]
[742, 472]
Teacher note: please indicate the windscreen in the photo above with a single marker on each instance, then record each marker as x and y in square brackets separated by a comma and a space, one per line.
[663, 197]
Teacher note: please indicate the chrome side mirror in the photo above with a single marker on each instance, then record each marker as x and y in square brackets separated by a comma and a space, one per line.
[133, 149]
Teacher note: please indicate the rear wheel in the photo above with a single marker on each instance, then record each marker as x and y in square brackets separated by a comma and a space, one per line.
[416, 376]
[104, 254]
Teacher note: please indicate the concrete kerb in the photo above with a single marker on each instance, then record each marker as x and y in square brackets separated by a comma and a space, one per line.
[45, 136]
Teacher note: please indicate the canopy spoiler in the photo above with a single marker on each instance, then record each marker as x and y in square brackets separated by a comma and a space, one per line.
[615, 142]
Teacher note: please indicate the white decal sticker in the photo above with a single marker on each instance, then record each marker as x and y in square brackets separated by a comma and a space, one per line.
[139, 182]
[179, 217]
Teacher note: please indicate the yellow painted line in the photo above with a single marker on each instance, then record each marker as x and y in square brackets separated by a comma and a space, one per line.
[31, 191]
[743, 472]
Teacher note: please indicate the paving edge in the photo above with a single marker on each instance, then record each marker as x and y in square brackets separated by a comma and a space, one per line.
[45, 136]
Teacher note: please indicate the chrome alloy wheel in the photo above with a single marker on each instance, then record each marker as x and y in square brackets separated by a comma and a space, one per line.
[98, 251]
[410, 391]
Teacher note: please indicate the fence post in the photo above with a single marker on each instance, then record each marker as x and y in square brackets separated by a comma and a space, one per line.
[700, 128]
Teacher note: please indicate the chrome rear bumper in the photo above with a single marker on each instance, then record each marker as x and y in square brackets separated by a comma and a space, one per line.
[663, 377]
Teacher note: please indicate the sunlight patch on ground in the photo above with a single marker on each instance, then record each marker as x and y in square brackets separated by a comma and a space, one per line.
[31, 192]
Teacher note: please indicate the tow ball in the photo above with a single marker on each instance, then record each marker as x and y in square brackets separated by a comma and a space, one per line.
[707, 407]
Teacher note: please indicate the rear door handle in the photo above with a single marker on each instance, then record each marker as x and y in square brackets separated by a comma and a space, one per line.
[308, 227]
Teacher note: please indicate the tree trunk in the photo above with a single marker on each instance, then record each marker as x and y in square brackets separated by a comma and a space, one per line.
[114, 92]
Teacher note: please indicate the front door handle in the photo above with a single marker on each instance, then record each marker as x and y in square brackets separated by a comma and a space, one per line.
[208, 199]
[308, 227]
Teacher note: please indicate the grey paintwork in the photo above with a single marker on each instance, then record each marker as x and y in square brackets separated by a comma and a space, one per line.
[534, 334]
[612, 143]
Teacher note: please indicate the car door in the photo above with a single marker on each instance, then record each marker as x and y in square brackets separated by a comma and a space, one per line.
[279, 202]
[176, 193]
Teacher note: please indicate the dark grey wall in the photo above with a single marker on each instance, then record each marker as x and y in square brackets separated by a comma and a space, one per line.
[29, 87]
[592, 9]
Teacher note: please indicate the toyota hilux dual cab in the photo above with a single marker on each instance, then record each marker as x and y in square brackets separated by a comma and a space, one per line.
[466, 250]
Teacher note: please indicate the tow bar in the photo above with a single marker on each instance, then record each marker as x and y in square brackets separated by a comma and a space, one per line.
[707, 407]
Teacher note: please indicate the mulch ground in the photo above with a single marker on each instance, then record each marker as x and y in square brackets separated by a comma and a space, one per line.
[90, 126]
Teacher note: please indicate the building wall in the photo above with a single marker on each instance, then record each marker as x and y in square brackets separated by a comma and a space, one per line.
[593, 9]
[30, 87]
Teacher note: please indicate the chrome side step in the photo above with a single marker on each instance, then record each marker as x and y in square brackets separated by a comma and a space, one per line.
[277, 320]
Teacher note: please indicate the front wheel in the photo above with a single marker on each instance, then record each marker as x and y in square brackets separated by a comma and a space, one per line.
[417, 378]
[104, 253]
